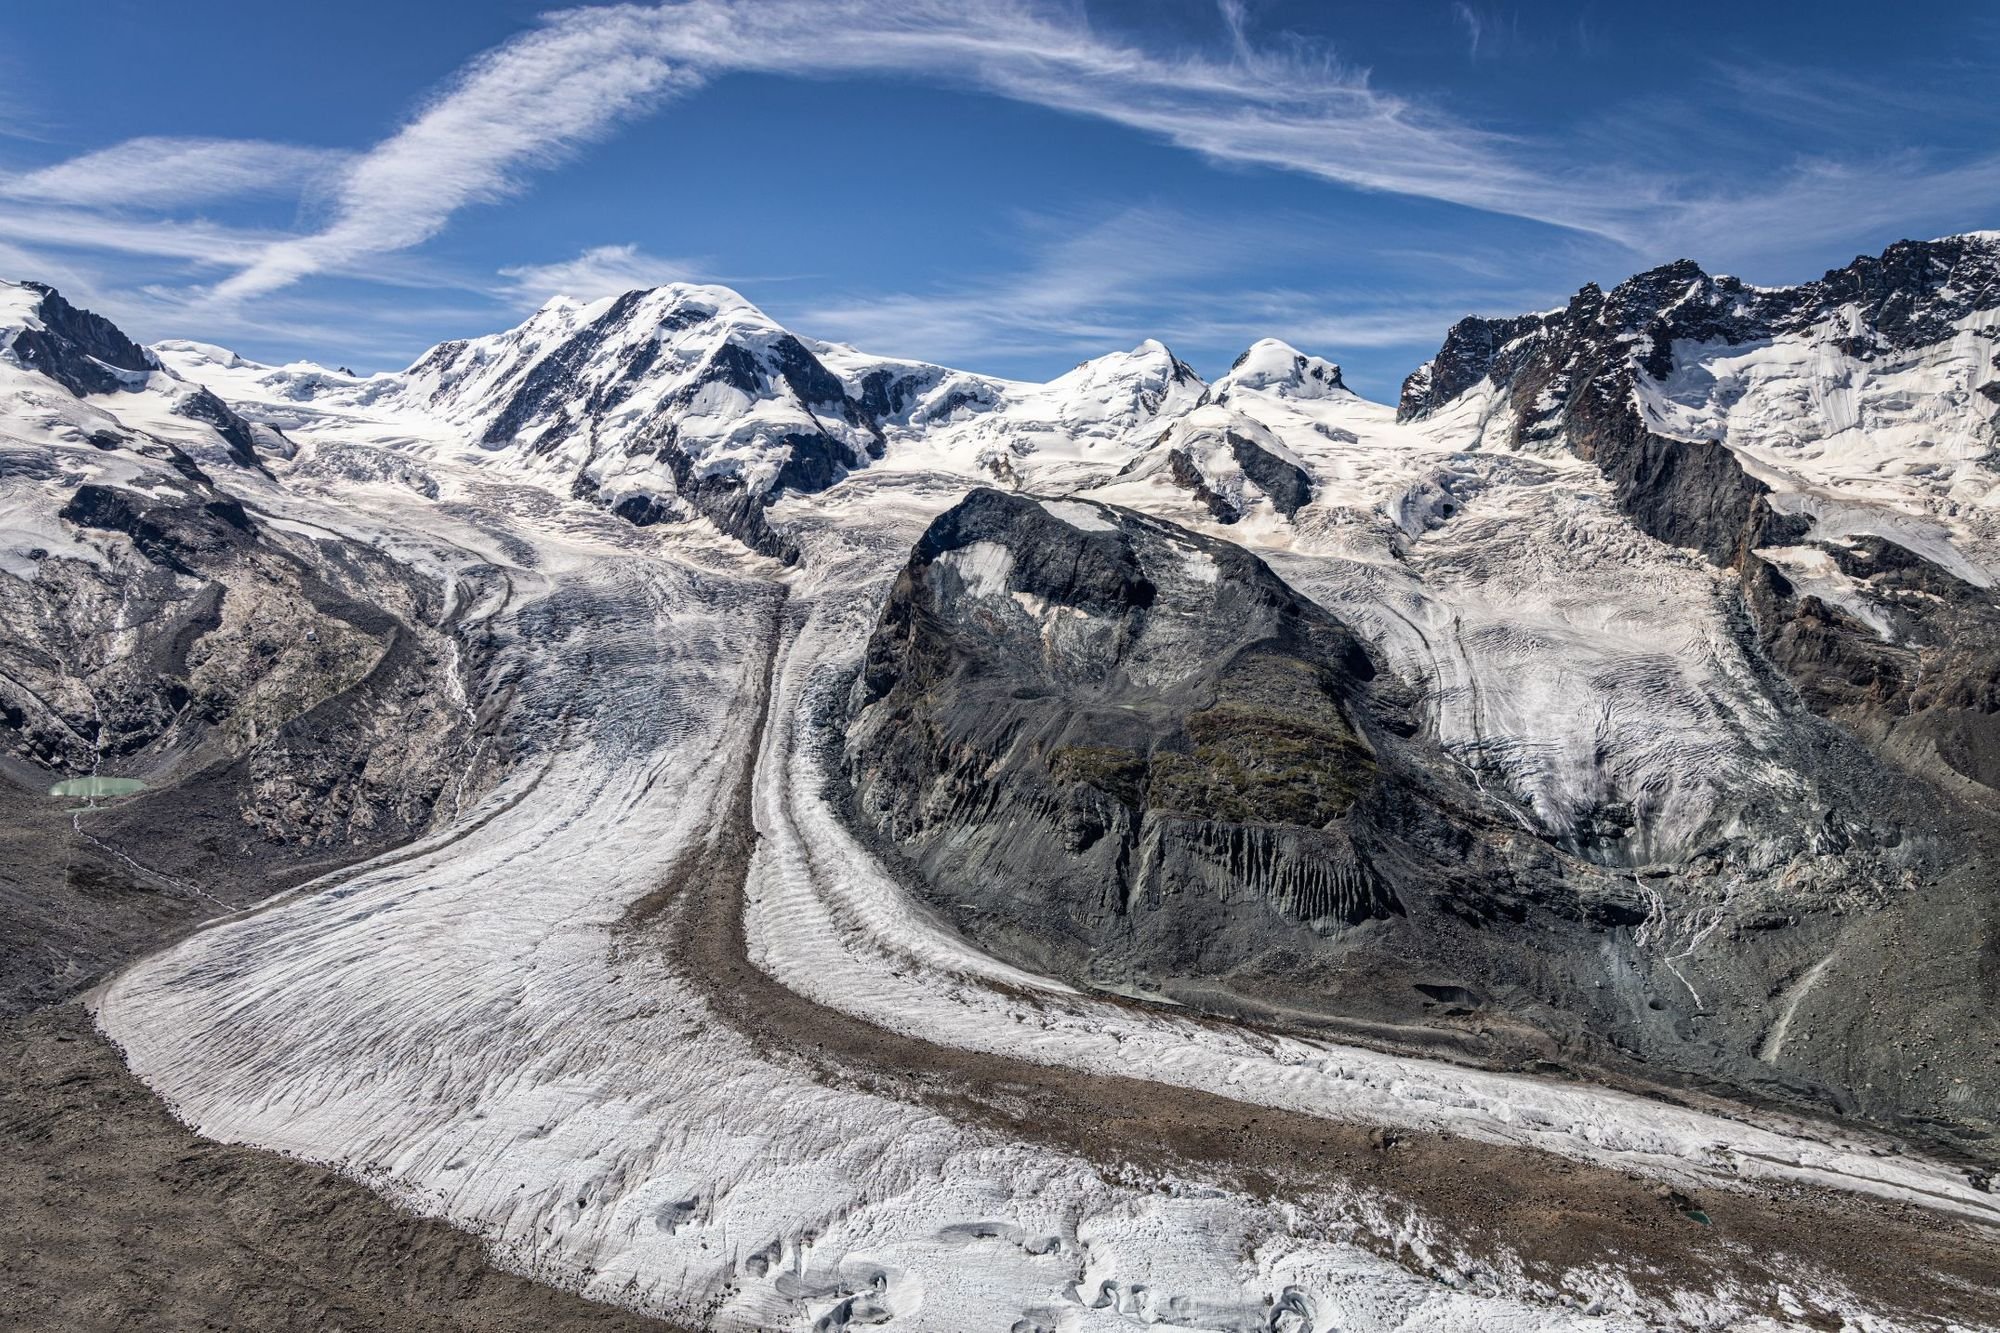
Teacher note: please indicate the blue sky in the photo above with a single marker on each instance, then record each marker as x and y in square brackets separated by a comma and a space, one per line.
[1009, 186]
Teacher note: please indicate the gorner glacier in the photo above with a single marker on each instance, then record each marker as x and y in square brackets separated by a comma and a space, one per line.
[775, 837]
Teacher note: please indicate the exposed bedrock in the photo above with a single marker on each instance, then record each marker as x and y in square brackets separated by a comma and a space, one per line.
[1906, 658]
[1168, 718]
[84, 352]
[1132, 756]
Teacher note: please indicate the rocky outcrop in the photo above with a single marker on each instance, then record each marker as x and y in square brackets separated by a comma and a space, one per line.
[286, 707]
[237, 434]
[171, 529]
[1911, 295]
[1228, 462]
[1144, 756]
[1579, 378]
[83, 352]
[1474, 349]
[1922, 681]
[285, 703]
[1143, 732]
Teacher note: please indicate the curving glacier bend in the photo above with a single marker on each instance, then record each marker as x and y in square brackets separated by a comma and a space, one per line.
[515, 1021]
[465, 1027]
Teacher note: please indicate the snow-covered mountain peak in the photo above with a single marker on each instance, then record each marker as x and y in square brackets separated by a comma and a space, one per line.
[85, 353]
[688, 397]
[652, 400]
[186, 351]
[1128, 387]
[689, 322]
[1274, 366]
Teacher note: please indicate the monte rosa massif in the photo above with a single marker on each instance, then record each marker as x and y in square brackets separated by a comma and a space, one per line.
[768, 836]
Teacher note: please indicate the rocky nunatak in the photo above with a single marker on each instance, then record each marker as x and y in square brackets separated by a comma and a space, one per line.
[1130, 755]
[1139, 758]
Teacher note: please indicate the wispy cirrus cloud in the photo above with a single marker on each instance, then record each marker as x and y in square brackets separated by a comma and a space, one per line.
[603, 270]
[193, 241]
[522, 106]
[1474, 24]
[1820, 202]
[576, 76]
[529, 103]
[533, 101]
[163, 172]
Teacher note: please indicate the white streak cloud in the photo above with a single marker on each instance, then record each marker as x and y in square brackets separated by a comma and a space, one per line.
[161, 172]
[535, 101]
[604, 270]
[530, 103]
[525, 105]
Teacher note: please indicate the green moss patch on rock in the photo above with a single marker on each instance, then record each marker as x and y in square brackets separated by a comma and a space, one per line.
[1255, 765]
[1119, 773]
[1273, 748]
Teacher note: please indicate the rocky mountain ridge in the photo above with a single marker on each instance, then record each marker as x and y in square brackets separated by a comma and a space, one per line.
[283, 701]
[1676, 385]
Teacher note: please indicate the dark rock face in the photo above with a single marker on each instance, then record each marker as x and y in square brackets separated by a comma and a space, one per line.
[1145, 756]
[1286, 483]
[238, 434]
[813, 460]
[729, 504]
[81, 351]
[1022, 680]
[169, 531]
[1927, 693]
[203, 648]
[1186, 474]
[886, 394]
[895, 394]
[1473, 349]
